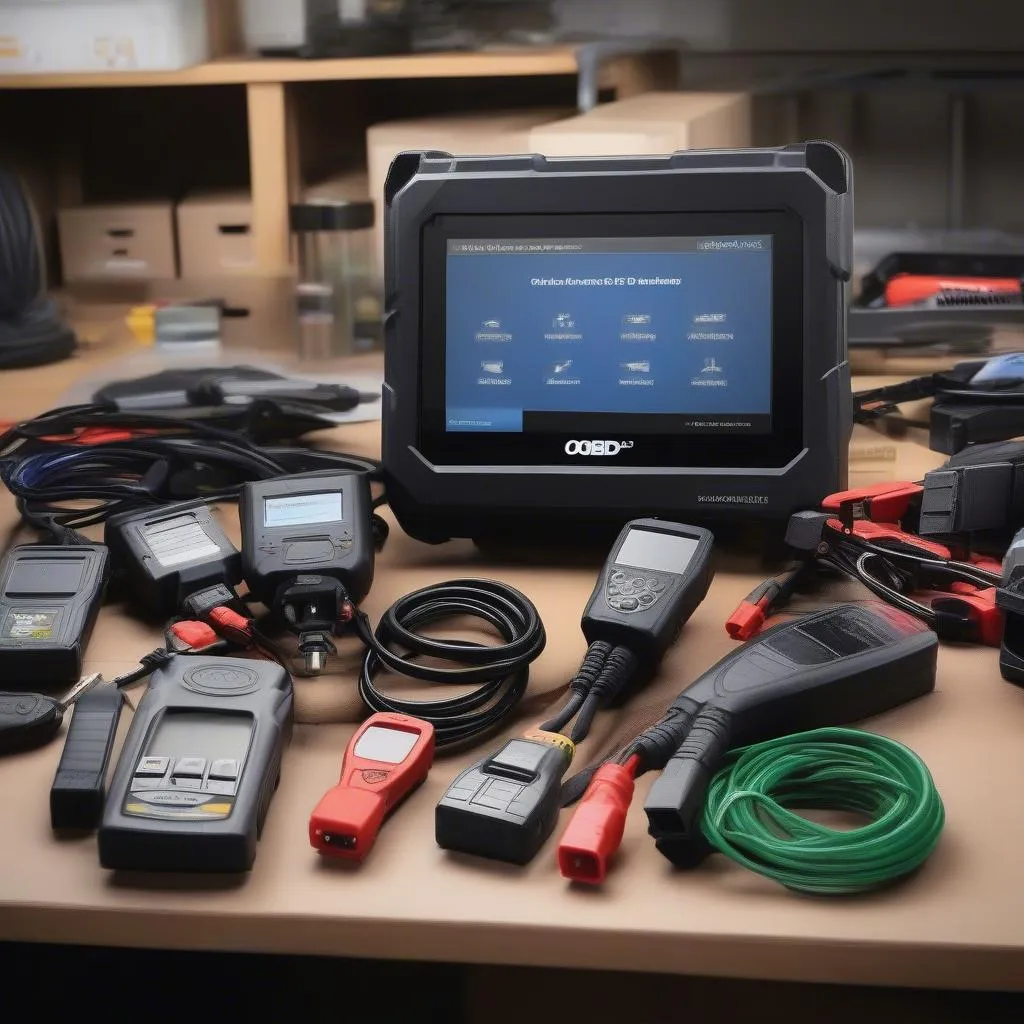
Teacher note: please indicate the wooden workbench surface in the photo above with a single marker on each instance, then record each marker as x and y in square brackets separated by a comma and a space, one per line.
[958, 923]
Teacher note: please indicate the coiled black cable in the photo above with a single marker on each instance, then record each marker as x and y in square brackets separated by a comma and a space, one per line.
[499, 672]
[32, 331]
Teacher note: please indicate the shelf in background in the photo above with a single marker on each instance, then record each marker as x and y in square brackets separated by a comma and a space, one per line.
[246, 70]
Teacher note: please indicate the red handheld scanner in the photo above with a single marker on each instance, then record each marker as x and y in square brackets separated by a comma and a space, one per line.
[386, 759]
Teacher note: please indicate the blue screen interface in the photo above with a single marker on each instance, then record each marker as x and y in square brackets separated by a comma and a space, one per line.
[538, 330]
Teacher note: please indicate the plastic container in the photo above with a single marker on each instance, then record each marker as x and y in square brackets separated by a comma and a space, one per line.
[58, 36]
[338, 300]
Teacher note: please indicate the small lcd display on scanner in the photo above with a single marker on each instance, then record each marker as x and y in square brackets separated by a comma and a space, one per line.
[303, 509]
[206, 735]
[657, 552]
[540, 329]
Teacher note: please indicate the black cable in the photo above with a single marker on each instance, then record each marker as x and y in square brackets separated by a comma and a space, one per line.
[499, 673]
[32, 331]
[579, 687]
[585, 719]
[149, 663]
[188, 459]
[616, 673]
[963, 571]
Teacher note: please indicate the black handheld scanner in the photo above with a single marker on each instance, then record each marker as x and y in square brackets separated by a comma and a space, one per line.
[829, 668]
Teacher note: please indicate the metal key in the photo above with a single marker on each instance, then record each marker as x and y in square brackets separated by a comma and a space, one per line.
[30, 720]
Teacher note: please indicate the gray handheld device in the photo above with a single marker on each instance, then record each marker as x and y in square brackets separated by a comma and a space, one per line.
[199, 767]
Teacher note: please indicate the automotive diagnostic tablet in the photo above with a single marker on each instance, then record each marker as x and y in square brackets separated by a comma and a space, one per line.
[591, 339]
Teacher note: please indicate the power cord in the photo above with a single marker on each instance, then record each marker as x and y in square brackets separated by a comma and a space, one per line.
[499, 673]
[146, 460]
[749, 811]
[32, 331]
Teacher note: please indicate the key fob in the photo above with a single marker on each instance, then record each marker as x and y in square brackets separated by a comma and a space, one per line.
[27, 720]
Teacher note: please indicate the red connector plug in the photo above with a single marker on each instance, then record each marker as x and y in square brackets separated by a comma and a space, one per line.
[189, 635]
[346, 821]
[747, 620]
[595, 830]
[231, 625]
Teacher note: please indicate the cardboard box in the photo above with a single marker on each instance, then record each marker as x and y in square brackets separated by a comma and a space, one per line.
[650, 124]
[350, 186]
[215, 234]
[119, 241]
[41, 37]
[259, 311]
[483, 134]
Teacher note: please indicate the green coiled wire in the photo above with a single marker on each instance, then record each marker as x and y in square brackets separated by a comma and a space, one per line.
[749, 816]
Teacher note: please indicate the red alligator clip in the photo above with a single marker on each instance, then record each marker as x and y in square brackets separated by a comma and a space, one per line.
[885, 535]
[880, 503]
[987, 563]
[978, 608]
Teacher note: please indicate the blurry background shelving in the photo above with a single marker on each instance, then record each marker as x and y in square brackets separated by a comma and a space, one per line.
[927, 97]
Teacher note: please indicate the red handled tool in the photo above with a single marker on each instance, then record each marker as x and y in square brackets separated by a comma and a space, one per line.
[387, 758]
[908, 289]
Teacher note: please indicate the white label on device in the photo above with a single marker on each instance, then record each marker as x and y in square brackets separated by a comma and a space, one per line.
[659, 552]
[303, 509]
[176, 541]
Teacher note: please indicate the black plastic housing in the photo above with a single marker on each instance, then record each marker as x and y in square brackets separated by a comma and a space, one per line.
[506, 805]
[661, 598]
[829, 668]
[342, 549]
[1010, 599]
[79, 787]
[179, 836]
[167, 554]
[978, 491]
[49, 599]
[439, 497]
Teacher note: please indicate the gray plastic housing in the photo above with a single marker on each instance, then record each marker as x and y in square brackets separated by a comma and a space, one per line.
[434, 501]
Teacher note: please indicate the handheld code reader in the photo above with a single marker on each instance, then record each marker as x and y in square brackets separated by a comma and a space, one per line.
[308, 552]
[169, 553]
[49, 599]
[655, 578]
[199, 767]
[386, 760]
[312, 523]
[828, 668]
[832, 667]
[506, 805]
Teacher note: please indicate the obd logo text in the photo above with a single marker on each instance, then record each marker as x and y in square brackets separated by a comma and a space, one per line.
[603, 448]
